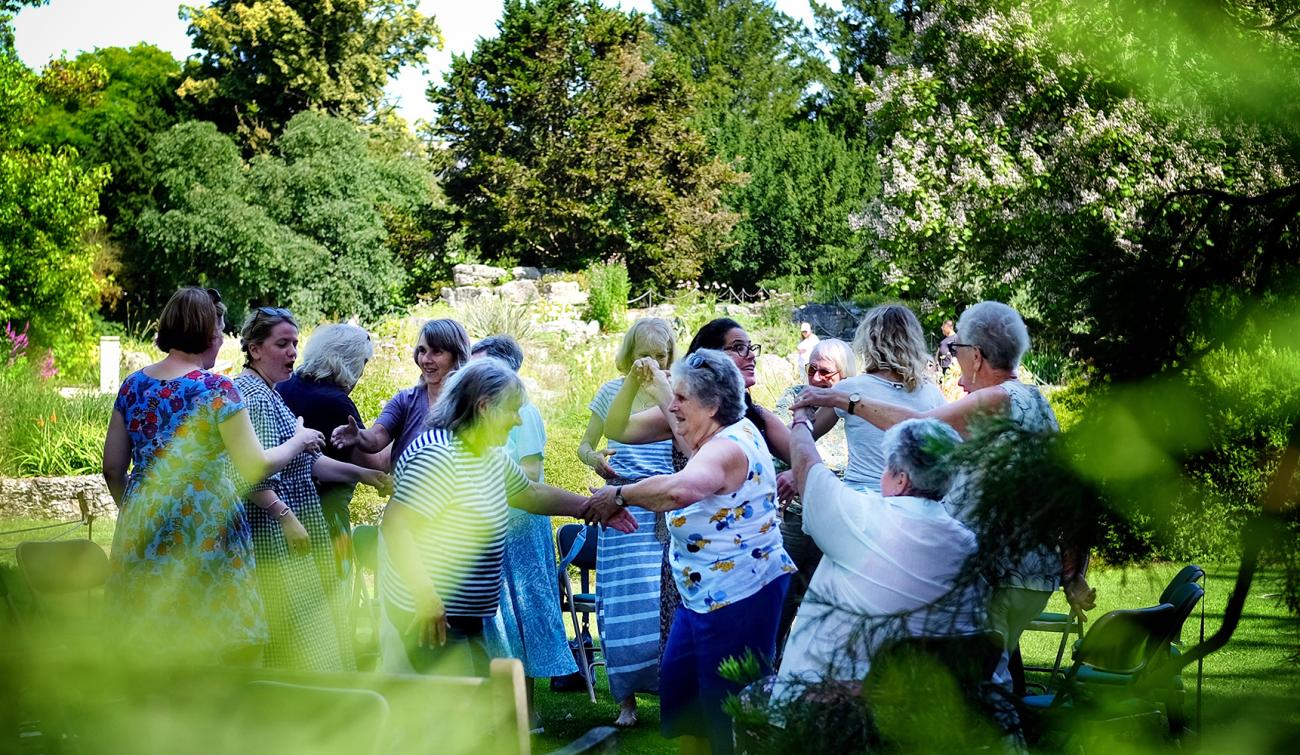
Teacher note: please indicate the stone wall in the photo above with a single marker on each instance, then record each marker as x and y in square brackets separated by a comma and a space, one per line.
[55, 497]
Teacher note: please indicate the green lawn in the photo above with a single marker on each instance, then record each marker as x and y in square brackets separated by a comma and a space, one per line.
[1251, 690]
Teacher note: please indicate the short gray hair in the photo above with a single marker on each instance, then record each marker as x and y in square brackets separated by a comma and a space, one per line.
[336, 354]
[846, 362]
[920, 448]
[459, 406]
[503, 347]
[711, 378]
[444, 334]
[997, 330]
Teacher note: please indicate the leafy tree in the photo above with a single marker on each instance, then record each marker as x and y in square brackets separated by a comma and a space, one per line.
[860, 36]
[802, 182]
[571, 145]
[113, 123]
[263, 61]
[48, 202]
[303, 226]
[746, 58]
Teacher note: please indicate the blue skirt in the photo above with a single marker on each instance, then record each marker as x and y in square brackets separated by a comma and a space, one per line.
[528, 624]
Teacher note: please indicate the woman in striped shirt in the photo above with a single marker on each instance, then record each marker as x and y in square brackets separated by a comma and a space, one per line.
[443, 533]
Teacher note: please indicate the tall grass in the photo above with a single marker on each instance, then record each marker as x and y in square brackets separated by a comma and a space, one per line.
[42, 433]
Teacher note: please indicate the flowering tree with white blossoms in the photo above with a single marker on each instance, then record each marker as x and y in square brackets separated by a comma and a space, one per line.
[1016, 164]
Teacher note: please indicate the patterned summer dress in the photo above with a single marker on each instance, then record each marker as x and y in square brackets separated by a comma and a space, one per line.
[305, 605]
[182, 560]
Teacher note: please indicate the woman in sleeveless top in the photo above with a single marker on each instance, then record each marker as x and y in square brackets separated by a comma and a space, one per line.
[727, 559]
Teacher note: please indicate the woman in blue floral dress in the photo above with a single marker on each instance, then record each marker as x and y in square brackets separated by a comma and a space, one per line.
[182, 576]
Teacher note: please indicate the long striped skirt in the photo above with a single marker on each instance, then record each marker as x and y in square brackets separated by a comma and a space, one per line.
[627, 594]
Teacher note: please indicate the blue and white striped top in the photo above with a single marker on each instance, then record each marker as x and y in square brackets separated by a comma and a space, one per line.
[460, 500]
[632, 462]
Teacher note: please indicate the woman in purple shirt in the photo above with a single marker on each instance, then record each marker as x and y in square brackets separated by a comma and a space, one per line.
[442, 348]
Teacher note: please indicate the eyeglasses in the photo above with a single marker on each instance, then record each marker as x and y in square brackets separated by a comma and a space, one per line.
[744, 349]
[955, 345]
[214, 295]
[275, 312]
[821, 372]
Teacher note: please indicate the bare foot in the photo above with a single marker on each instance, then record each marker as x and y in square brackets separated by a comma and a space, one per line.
[626, 717]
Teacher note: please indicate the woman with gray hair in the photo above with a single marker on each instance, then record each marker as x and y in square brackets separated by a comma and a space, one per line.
[731, 569]
[441, 349]
[318, 391]
[443, 534]
[830, 361]
[892, 559]
[528, 624]
[991, 339]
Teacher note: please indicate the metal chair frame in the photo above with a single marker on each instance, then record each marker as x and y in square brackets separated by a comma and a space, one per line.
[580, 551]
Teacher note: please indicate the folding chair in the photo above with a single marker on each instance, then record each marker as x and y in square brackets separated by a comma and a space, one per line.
[1065, 624]
[62, 568]
[577, 544]
[1154, 680]
[365, 549]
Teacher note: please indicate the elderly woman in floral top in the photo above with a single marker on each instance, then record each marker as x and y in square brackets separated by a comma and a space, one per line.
[726, 553]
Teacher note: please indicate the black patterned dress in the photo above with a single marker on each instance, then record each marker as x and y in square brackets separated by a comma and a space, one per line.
[305, 604]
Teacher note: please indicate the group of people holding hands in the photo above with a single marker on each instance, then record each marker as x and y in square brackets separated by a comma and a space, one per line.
[728, 529]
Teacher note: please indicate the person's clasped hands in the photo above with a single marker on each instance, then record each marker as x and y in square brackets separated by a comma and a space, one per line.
[602, 508]
[652, 378]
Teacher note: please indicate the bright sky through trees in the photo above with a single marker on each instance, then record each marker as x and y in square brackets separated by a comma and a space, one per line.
[78, 25]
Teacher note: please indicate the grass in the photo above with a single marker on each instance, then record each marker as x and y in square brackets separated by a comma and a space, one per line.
[1251, 691]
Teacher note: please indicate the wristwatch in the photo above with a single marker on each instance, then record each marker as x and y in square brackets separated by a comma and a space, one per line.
[854, 398]
[618, 497]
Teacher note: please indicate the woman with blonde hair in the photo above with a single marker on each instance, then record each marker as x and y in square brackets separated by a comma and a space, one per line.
[894, 358]
[628, 600]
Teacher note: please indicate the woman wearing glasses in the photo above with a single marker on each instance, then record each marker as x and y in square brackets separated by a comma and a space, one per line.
[181, 570]
[829, 362]
[306, 605]
[991, 339]
[727, 559]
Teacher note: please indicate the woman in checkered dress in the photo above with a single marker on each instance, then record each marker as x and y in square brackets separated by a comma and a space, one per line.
[305, 601]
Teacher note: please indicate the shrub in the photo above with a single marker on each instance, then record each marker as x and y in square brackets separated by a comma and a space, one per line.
[496, 317]
[607, 300]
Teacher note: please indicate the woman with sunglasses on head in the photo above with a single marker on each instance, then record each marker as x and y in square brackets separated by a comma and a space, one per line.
[829, 362]
[723, 334]
[181, 569]
[727, 558]
[441, 348]
[306, 605]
